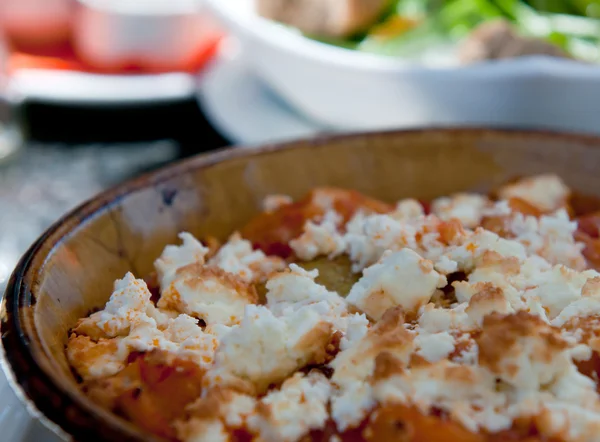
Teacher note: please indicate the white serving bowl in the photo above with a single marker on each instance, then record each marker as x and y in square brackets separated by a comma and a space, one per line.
[359, 91]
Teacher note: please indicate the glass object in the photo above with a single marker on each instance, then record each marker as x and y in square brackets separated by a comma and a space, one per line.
[10, 134]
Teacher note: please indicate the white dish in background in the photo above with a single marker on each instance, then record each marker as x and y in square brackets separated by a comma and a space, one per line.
[161, 34]
[70, 87]
[243, 108]
[360, 91]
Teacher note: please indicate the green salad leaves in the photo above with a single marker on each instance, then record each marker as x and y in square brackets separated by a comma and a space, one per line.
[410, 26]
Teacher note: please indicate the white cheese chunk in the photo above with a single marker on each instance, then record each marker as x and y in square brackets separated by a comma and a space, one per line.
[298, 407]
[546, 192]
[468, 208]
[191, 251]
[237, 256]
[209, 294]
[280, 346]
[402, 278]
[320, 238]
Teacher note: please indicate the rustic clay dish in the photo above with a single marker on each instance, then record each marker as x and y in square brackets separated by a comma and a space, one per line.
[71, 268]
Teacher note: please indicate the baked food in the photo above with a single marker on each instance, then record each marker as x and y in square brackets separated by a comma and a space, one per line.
[340, 317]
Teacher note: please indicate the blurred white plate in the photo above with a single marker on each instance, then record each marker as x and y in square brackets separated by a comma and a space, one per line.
[243, 108]
[67, 87]
[360, 91]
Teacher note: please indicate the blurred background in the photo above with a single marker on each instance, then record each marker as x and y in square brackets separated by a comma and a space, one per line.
[94, 92]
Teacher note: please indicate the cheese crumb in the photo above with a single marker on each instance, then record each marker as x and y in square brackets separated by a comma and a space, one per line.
[296, 289]
[402, 278]
[522, 350]
[274, 202]
[281, 345]
[128, 305]
[468, 208]
[351, 405]
[237, 257]
[546, 192]
[434, 347]
[207, 293]
[294, 410]
[191, 251]
[551, 237]
[320, 238]
[460, 390]
[356, 363]
[407, 209]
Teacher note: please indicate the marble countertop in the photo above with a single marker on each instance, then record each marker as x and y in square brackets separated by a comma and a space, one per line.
[74, 158]
[42, 182]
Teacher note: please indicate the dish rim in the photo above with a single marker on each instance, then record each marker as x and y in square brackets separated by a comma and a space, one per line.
[29, 376]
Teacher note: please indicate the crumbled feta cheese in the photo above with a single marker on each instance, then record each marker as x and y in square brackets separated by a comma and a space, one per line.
[435, 320]
[467, 393]
[570, 422]
[129, 304]
[180, 336]
[193, 343]
[580, 308]
[297, 285]
[237, 257]
[581, 352]
[573, 413]
[351, 405]
[357, 326]
[494, 354]
[556, 289]
[469, 254]
[550, 236]
[209, 294]
[368, 237]
[203, 430]
[466, 207]
[294, 410]
[320, 238]
[217, 408]
[434, 347]
[488, 300]
[92, 360]
[445, 265]
[499, 209]
[356, 363]
[546, 192]
[280, 346]
[407, 209]
[191, 251]
[296, 288]
[402, 278]
[522, 350]
[274, 202]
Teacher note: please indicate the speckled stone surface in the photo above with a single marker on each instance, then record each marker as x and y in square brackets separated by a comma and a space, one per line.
[42, 182]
